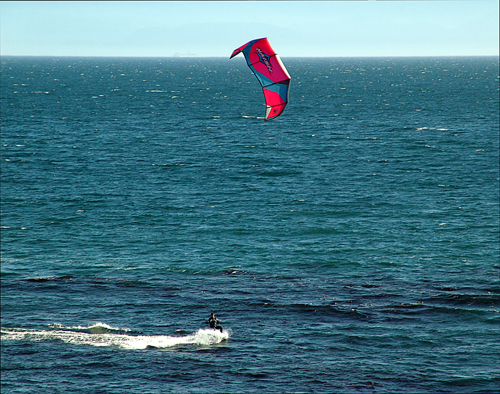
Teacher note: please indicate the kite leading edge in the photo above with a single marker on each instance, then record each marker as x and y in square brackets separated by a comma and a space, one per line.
[271, 73]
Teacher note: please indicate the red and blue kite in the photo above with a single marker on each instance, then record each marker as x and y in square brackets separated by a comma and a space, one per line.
[271, 73]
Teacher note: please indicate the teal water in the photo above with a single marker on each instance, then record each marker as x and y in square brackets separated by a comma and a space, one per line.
[349, 246]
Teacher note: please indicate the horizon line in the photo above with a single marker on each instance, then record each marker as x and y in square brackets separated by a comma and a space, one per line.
[224, 57]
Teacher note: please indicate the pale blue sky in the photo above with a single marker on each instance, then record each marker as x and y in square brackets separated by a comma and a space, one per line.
[206, 28]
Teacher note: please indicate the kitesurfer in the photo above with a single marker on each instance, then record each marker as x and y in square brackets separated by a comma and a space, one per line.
[213, 322]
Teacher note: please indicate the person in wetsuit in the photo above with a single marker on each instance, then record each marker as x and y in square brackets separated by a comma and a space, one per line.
[213, 322]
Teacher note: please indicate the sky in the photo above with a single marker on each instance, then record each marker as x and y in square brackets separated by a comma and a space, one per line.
[216, 28]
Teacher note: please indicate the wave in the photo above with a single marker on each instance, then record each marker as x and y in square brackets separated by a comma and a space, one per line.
[202, 337]
[94, 328]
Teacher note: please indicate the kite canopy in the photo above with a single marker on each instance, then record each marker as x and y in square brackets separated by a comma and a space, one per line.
[271, 73]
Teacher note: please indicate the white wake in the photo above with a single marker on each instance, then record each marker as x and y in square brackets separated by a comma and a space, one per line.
[122, 341]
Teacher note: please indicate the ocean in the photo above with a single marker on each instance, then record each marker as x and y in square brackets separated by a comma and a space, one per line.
[349, 246]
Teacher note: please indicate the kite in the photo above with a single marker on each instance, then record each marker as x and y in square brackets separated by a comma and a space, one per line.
[271, 73]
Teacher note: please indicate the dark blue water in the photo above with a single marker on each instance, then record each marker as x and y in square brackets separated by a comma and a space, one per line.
[351, 245]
